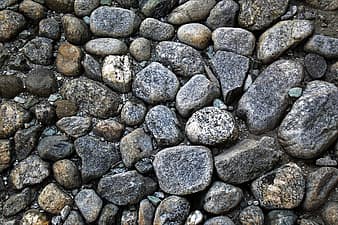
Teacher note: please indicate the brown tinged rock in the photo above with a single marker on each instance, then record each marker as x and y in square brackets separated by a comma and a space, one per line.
[76, 30]
[65, 108]
[194, 34]
[109, 129]
[67, 174]
[32, 10]
[10, 86]
[63, 6]
[11, 23]
[68, 60]
[330, 213]
[146, 212]
[5, 154]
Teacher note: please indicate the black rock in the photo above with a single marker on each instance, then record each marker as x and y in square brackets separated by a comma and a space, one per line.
[41, 82]
[55, 148]
[10, 86]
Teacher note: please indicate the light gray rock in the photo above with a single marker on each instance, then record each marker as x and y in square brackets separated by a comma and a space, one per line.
[85, 7]
[194, 34]
[140, 49]
[278, 217]
[315, 65]
[106, 46]
[156, 30]
[75, 126]
[74, 217]
[219, 220]
[223, 14]
[89, 204]
[323, 45]
[133, 113]
[39, 50]
[251, 215]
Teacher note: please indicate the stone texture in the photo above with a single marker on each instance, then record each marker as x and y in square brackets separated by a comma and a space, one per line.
[67, 174]
[68, 60]
[219, 220]
[157, 8]
[323, 4]
[45, 113]
[183, 170]
[92, 67]
[49, 28]
[109, 129]
[39, 50]
[133, 113]
[60, 5]
[74, 217]
[129, 217]
[34, 217]
[108, 214]
[323, 45]
[106, 46]
[65, 108]
[17, 202]
[251, 215]
[25, 140]
[156, 30]
[278, 217]
[76, 30]
[11, 23]
[74, 126]
[194, 34]
[315, 65]
[223, 14]
[5, 154]
[330, 213]
[89, 204]
[146, 213]
[85, 7]
[55, 148]
[32, 10]
[41, 82]
[140, 49]
[10, 86]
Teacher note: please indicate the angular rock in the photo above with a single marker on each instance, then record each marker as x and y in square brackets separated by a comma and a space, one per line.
[32, 10]
[133, 113]
[330, 213]
[266, 100]
[195, 35]
[156, 30]
[315, 65]
[109, 129]
[323, 45]
[278, 217]
[251, 215]
[17, 202]
[140, 49]
[10, 86]
[64, 6]
[68, 60]
[76, 30]
[223, 14]
[108, 214]
[91, 67]
[106, 46]
[11, 23]
[146, 213]
[85, 7]
[74, 126]
[323, 4]
[224, 220]
[74, 218]
[67, 174]
[26, 140]
[39, 50]
[311, 125]
[89, 204]
[41, 82]
[55, 148]
[157, 8]
[5, 154]
[65, 108]
[45, 113]
[49, 28]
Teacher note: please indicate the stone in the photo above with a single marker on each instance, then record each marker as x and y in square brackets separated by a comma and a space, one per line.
[74, 218]
[67, 174]
[11, 24]
[258, 15]
[323, 45]
[223, 14]
[64, 6]
[45, 113]
[55, 148]
[295, 92]
[157, 8]
[117, 73]
[304, 139]
[32, 10]
[89, 204]
[91, 96]
[318, 186]
[106, 46]
[108, 214]
[41, 82]
[12, 117]
[146, 213]
[194, 34]
[211, 126]
[324, 4]
[235, 40]
[163, 125]
[10, 86]
[96, 156]
[283, 187]
[113, 22]
[92, 68]
[194, 218]
[156, 30]
[330, 213]
[109, 129]
[183, 59]
[85, 7]
[174, 209]
[5, 154]
[76, 30]
[39, 50]
[155, 84]
[183, 169]
[191, 11]
[307, 222]
[231, 70]
[129, 217]
[68, 59]
[49, 28]
[133, 113]
[247, 160]
[135, 146]
[263, 105]
[140, 49]
[17, 202]
[251, 215]
[5, 3]
[52, 199]
[65, 108]
[25, 140]
[221, 198]
[282, 36]
[144, 166]
[34, 217]
[315, 65]
[278, 217]
[326, 161]
[224, 220]
[74, 126]
[125, 188]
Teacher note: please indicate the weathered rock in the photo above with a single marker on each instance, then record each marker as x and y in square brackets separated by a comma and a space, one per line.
[146, 213]
[11, 23]
[106, 46]
[41, 82]
[26, 140]
[183, 59]
[133, 113]
[32, 10]
[251, 215]
[223, 14]
[39, 50]
[144, 166]
[140, 49]
[156, 30]
[109, 129]
[282, 36]
[126, 188]
[280, 188]
[163, 125]
[211, 126]
[68, 60]
[266, 100]
[311, 125]
[92, 68]
[64, 6]
[307, 222]
[323, 4]
[129, 217]
[224, 220]
[85, 7]
[49, 28]
[323, 45]
[5, 3]
[315, 65]
[194, 34]
[231, 70]
[74, 126]
[76, 30]
[55, 148]
[65, 108]
[247, 160]
[45, 113]
[5, 154]
[278, 217]
[67, 174]
[183, 170]
[17, 202]
[10, 86]
[74, 218]
[34, 217]
[108, 214]
[330, 213]
[89, 204]
[157, 8]
[194, 218]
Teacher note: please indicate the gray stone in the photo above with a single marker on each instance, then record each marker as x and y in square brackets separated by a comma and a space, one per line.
[156, 30]
[221, 198]
[281, 217]
[211, 126]
[108, 214]
[32, 217]
[324, 4]
[326, 161]
[76, 30]
[127, 3]
[183, 59]
[85, 7]
[74, 217]
[32, 10]
[45, 113]
[113, 21]
[91, 67]
[96, 156]
[235, 40]
[49, 28]
[157, 8]
[283, 187]
[67, 174]
[6, 147]
[64, 6]
[194, 218]
[11, 24]
[39, 50]
[133, 113]
[74, 126]
[146, 213]
[55, 148]
[247, 160]
[155, 84]
[109, 129]
[10, 86]
[323, 45]
[183, 170]
[251, 215]
[144, 166]
[223, 14]
[194, 34]
[106, 46]
[231, 70]
[295, 92]
[315, 65]
[140, 49]
[126, 188]
[89, 204]
[266, 101]
[307, 222]
[282, 36]
[41, 82]
[198, 92]
[26, 140]
[17, 202]
[311, 125]
[330, 213]
[163, 125]
[219, 220]
[129, 217]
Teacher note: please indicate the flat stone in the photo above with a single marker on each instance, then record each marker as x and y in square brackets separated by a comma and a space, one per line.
[146, 213]
[17, 202]
[68, 60]
[251, 215]
[41, 82]
[89, 204]
[11, 23]
[32, 10]
[311, 125]
[157, 8]
[194, 34]
[330, 213]
[6, 148]
[74, 126]
[67, 174]
[49, 28]
[64, 6]
[92, 67]
[324, 4]
[279, 217]
[323, 45]
[315, 65]
[85, 7]
[156, 30]
[55, 148]
[183, 170]
[76, 30]
[106, 46]
[263, 105]
[133, 113]
[109, 129]
[10, 86]
[140, 49]
[26, 140]
[223, 14]
[39, 50]
[224, 220]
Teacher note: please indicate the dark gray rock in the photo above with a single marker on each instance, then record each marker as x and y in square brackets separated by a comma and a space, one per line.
[10, 86]
[5, 3]
[155, 84]
[17, 202]
[39, 50]
[251, 215]
[74, 217]
[97, 157]
[183, 170]
[106, 46]
[126, 188]
[211, 126]
[194, 34]
[133, 113]
[281, 217]
[330, 212]
[323, 45]
[223, 14]
[311, 125]
[85, 7]
[157, 8]
[89, 204]
[32, 10]
[129, 217]
[26, 140]
[156, 30]
[41, 82]
[33, 216]
[164, 126]
[45, 113]
[146, 212]
[219, 220]
[108, 214]
[266, 100]
[231, 70]
[247, 160]
[49, 28]
[11, 24]
[55, 148]
[67, 174]
[91, 67]
[74, 126]
[64, 6]
[183, 59]
[307, 222]
[144, 166]
[109, 129]
[323, 4]
[140, 49]
[76, 30]
[315, 65]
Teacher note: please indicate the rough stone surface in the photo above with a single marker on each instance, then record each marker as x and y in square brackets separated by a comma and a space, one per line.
[65, 108]
[109, 129]
[89, 204]
[10, 86]
[106, 46]
[219, 220]
[92, 67]
[55, 148]
[25, 140]
[330, 213]
[194, 34]
[67, 174]
[156, 30]
[76, 30]
[11, 23]
[60, 5]
[85, 7]
[5, 154]
[323, 45]
[223, 14]
[34, 217]
[39, 50]
[133, 113]
[129, 217]
[315, 65]
[68, 60]
[146, 213]
[324, 4]
[278, 217]
[251, 215]
[41, 82]
[140, 49]
[74, 126]
[17, 202]
[49, 28]
[74, 217]
[32, 10]
[108, 214]
[157, 8]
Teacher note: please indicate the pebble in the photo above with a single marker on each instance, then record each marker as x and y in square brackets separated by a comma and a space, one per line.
[97, 157]
[41, 82]
[144, 166]
[125, 188]
[65, 108]
[164, 126]
[89, 204]
[34, 217]
[10, 86]
[74, 126]
[45, 113]
[324, 4]
[6, 3]
[326, 161]
[85, 7]
[68, 60]
[140, 49]
[109, 129]
[235, 40]
[39, 50]
[183, 170]
[157, 8]
[17, 202]
[315, 65]
[307, 222]
[106, 46]
[194, 218]
[76, 30]
[49, 28]
[295, 92]
[194, 34]
[74, 218]
[25, 140]
[5, 154]
[281, 217]
[263, 105]
[223, 14]
[62, 6]
[323, 45]
[146, 213]
[330, 213]
[251, 215]
[224, 220]
[155, 84]
[92, 68]
[32, 10]
[129, 217]
[52, 199]
[211, 126]
[133, 113]
[67, 174]
[318, 105]
[55, 148]
[156, 30]
[11, 24]
[108, 214]
[247, 160]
